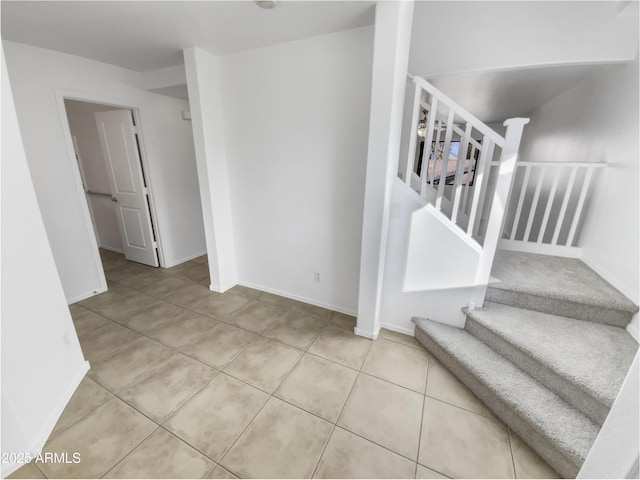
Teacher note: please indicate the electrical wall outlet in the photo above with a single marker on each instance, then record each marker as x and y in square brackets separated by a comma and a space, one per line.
[395, 210]
[316, 276]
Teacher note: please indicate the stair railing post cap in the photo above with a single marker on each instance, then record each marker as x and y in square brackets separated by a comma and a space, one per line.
[516, 121]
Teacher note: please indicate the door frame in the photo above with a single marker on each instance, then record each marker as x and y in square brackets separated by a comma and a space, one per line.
[128, 104]
[83, 179]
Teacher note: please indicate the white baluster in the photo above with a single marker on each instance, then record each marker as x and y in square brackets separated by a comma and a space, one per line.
[523, 192]
[563, 208]
[444, 162]
[465, 197]
[578, 212]
[482, 172]
[437, 142]
[411, 157]
[457, 181]
[431, 119]
[547, 210]
[534, 204]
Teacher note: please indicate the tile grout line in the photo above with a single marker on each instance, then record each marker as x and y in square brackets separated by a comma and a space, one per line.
[424, 402]
[188, 399]
[513, 460]
[173, 434]
[227, 450]
[497, 421]
[335, 424]
[186, 442]
[130, 406]
[130, 452]
[159, 425]
[51, 437]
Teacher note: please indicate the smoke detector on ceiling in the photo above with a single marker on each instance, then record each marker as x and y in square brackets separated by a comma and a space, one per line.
[266, 4]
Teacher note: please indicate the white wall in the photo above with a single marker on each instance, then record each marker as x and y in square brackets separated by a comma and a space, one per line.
[597, 121]
[205, 92]
[42, 363]
[83, 126]
[37, 75]
[295, 121]
[453, 37]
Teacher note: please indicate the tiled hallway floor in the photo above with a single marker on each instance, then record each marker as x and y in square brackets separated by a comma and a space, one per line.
[187, 383]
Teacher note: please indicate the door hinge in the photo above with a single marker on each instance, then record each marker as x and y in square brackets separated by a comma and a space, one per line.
[154, 244]
[145, 191]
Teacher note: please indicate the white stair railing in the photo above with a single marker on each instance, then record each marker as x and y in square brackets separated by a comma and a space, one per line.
[451, 157]
[453, 166]
[551, 198]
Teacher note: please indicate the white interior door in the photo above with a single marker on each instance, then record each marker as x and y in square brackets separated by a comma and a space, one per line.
[120, 150]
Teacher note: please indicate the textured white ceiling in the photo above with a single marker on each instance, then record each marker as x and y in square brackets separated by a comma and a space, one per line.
[149, 35]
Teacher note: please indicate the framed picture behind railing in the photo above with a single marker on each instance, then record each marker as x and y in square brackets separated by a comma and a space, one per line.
[434, 166]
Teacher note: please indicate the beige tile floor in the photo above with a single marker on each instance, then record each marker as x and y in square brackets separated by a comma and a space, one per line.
[187, 383]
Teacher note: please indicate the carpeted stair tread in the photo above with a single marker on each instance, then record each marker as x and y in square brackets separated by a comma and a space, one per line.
[592, 356]
[560, 426]
[559, 278]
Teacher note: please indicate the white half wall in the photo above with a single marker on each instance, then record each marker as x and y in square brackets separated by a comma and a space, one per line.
[82, 123]
[597, 121]
[39, 76]
[439, 255]
[42, 363]
[439, 303]
[295, 123]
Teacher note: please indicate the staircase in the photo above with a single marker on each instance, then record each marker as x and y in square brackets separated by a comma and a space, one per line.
[547, 353]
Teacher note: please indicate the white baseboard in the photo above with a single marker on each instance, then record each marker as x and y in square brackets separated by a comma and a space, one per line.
[394, 328]
[112, 249]
[50, 424]
[367, 334]
[222, 289]
[540, 248]
[173, 263]
[328, 306]
[633, 327]
[614, 282]
[86, 295]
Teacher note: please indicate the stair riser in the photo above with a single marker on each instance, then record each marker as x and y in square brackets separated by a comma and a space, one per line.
[564, 388]
[566, 466]
[563, 308]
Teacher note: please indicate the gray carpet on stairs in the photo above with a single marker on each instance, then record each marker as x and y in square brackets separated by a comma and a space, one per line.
[584, 362]
[556, 277]
[557, 431]
[557, 285]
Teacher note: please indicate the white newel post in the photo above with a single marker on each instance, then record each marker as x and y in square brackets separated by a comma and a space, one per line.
[493, 232]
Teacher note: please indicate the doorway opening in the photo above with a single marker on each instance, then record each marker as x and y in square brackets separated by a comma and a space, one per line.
[110, 158]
